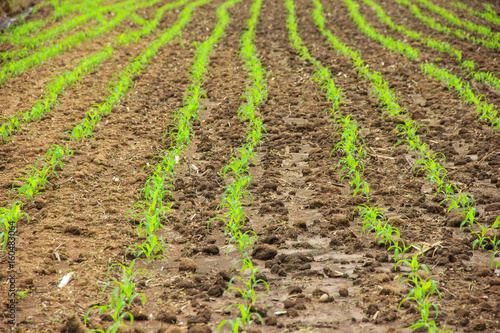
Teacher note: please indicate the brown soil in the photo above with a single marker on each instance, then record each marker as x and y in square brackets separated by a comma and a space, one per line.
[310, 241]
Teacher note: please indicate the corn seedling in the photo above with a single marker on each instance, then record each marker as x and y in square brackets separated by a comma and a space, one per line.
[8, 221]
[116, 310]
[126, 285]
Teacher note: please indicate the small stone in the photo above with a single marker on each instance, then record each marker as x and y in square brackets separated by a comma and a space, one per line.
[264, 252]
[187, 265]
[324, 298]
[343, 291]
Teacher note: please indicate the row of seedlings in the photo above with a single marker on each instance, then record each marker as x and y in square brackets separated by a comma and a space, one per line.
[68, 78]
[432, 23]
[484, 109]
[17, 67]
[373, 218]
[46, 37]
[34, 181]
[488, 78]
[428, 162]
[238, 169]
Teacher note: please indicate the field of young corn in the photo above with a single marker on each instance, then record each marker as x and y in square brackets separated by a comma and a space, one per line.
[250, 166]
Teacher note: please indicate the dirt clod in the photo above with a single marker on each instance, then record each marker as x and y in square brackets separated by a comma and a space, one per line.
[211, 249]
[388, 290]
[74, 325]
[343, 291]
[139, 313]
[200, 328]
[167, 316]
[187, 265]
[271, 320]
[264, 252]
[481, 270]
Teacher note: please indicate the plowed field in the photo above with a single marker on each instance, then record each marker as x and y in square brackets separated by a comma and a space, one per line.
[322, 266]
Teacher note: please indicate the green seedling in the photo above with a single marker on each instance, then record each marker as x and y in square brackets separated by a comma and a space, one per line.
[126, 285]
[8, 220]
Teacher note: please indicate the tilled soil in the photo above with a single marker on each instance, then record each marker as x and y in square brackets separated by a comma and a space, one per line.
[323, 273]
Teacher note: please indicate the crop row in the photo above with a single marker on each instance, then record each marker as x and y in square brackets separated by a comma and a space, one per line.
[352, 147]
[161, 182]
[238, 168]
[429, 21]
[436, 44]
[19, 66]
[484, 109]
